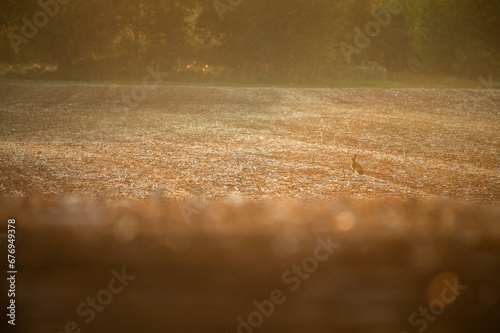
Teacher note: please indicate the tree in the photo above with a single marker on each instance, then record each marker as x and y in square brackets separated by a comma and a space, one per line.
[292, 38]
[64, 33]
[457, 36]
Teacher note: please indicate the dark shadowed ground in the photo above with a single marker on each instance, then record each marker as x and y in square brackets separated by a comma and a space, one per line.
[197, 268]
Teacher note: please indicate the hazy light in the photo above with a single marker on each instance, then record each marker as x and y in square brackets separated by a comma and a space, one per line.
[126, 229]
[345, 220]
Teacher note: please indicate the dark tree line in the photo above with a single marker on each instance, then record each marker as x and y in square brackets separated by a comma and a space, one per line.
[256, 40]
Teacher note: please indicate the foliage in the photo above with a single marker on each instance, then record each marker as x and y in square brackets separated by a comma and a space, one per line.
[255, 41]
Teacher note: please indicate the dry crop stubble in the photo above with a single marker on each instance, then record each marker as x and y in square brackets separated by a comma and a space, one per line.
[252, 143]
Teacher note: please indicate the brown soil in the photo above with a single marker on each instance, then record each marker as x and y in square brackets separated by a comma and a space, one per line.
[250, 143]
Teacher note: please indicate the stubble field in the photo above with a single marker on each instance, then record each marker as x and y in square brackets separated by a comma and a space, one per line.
[248, 143]
[216, 209]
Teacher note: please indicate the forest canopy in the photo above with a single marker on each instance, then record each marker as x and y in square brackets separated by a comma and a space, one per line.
[252, 40]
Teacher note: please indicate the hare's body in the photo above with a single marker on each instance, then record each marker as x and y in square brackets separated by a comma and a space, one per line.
[356, 167]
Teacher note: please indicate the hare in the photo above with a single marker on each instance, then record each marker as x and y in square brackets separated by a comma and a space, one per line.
[356, 167]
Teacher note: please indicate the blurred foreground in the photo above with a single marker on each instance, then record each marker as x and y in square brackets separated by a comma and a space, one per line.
[255, 267]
